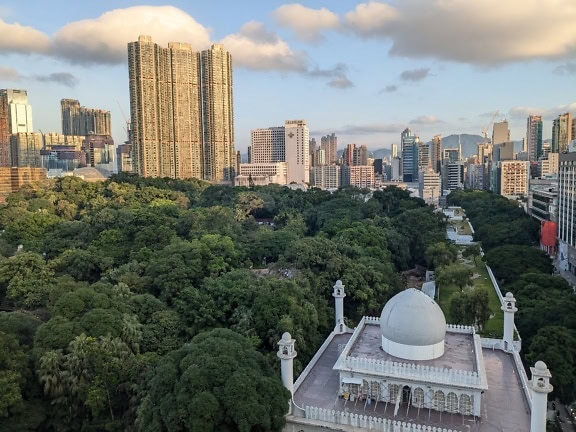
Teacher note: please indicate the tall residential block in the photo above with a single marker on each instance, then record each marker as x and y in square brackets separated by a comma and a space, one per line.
[297, 139]
[15, 117]
[25, 149]
[534, 137]
[181, 111]
[561, 133]
[515, 178]
[79, 120]
[329, 144]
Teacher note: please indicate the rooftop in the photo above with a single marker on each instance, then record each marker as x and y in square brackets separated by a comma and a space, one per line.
[504, 406]
[458, 350]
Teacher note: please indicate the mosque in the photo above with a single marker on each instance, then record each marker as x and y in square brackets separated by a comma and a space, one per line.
[409, 371]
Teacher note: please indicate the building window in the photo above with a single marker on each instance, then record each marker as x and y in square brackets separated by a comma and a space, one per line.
[418, 398]
[465, 405]
[438, 401]
[452, 402]
[394, 391]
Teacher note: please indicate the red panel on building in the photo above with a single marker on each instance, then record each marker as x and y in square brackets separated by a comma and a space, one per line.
[548, 231]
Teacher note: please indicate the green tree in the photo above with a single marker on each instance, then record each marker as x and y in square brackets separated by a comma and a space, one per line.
[453, 274]
[218, 382]
[12, 365]
[441, 254]
[472, 251]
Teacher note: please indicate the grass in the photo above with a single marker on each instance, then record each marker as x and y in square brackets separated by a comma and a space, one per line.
[494, 326]
[462, 227]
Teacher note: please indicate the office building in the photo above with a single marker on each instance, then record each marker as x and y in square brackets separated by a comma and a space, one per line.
[394, 151]
[410, 147]
[515, 178]
[534, 137]
[453, 176]
[15, 117]
[500, 132]
[297, 139]
[267, 145]
[99, 151]
[424, 156]
[396, 170]
[329, 144]
[543, 200]
[436, 153]
[567, 213]
[181, 111]
[312, 148]
[561, 133]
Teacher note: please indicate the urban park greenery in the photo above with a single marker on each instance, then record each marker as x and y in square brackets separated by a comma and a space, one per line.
[155, 304]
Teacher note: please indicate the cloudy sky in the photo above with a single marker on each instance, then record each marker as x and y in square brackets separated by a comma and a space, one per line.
[362, 70]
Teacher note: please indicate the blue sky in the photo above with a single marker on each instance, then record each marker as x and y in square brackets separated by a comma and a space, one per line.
[362, 70]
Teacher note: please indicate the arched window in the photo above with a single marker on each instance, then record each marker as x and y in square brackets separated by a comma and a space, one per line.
[394, 390]
[452, 402]
[375, 390]
[465, 405]
[418, 398]
[438, 402]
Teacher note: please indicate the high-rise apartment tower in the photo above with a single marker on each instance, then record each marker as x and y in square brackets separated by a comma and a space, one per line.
[534, 137]
[181, 109]
[79, 120]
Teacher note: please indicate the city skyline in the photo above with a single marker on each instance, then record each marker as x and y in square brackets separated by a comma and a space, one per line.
[350, 68]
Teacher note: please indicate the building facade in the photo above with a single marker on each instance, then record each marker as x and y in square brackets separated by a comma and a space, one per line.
[181, 109]
[329, 144]
[259, 174]
[12, 179]
[297, 139]
[561, 133]
[567, 212]
[534, 137]
[79, 120]
[15, 117]
[515, 178]
[361, 176]
[326, 176]
[267, 145]
[25, 149]
[500, 132]
[410, 151]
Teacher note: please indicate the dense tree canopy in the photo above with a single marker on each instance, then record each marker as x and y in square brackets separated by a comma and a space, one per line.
[110, 288]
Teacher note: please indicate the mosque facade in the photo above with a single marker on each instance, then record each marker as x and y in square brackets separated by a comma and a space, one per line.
[410, 371]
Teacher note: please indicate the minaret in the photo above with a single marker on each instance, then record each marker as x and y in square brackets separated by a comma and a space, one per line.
[339, 294]
[286, 354]
[540, 387]
[509, 309]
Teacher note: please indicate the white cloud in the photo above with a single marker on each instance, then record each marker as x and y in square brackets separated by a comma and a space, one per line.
[522, 112]
[415, 75]
[255, 47]
[483, 32]
[104, 39]
[306, 23]
[21, 39]
[426, 120]
[9, 74]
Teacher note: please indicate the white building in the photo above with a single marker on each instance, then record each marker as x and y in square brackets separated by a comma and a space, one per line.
[19, 111]
[262, 174]
[297, 138]
[267, 145]
[549, 165]
[409, 371]
[430, 185]
[514, 178]
[567, 212]
[326, 176]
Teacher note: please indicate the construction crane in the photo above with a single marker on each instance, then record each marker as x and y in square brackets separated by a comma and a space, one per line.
[485, 130]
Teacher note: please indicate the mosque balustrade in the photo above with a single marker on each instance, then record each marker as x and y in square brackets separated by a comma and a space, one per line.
[367, 422]
[411, 370]
[456, 328]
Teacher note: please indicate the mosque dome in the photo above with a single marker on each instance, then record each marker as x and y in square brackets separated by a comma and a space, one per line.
[413, 326]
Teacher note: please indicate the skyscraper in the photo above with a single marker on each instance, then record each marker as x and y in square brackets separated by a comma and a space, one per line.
[500, 132]
[297, 139]
[79, 120]
[409, 143]
[534, 137]
[561, 133]
[268, 145]
[329, 144]
[15, 117]
[436, 153]
[181, 109]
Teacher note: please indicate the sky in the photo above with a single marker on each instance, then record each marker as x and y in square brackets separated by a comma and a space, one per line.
[363, 70]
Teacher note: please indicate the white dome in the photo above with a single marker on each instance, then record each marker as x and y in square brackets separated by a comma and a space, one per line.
[413, 326]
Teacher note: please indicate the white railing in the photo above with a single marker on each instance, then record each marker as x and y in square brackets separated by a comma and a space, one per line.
[523, 377]
[456, 328]
[411, 370]
[367, 422]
